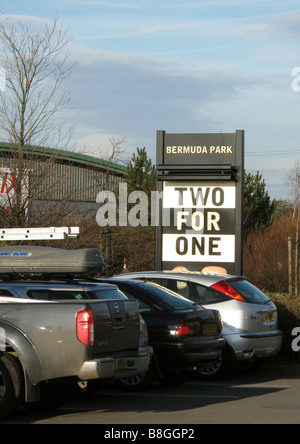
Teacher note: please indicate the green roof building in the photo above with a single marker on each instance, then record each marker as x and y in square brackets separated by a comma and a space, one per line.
[56, 175]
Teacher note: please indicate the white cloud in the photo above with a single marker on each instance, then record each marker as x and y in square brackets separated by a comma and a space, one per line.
[27, 20]
[288, 23]
[182, 66]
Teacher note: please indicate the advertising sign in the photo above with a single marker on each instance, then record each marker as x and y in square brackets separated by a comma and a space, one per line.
[8, 180]
[200, 178]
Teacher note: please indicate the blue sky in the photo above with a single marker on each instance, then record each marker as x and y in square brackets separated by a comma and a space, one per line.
[183, 66]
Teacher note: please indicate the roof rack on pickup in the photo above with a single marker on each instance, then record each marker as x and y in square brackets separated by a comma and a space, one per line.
[46, 260]
[51, 233]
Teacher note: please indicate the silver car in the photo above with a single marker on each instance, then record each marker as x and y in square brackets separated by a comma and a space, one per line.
[250, 319]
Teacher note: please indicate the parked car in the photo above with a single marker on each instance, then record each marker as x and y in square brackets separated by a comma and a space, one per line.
[250, 320]
[183, 334]
[59, 289]
[57, 332]
[48, 345]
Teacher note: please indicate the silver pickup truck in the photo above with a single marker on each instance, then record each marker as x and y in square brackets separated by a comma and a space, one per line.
[46, 346]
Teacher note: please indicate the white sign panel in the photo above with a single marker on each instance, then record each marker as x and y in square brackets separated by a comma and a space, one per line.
[201, 226]
[195, 195]
[203, 248]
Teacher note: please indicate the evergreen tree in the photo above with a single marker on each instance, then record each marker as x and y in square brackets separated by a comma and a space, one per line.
[259, 210]
[141, 174]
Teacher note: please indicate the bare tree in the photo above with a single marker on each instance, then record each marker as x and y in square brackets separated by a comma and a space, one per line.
[35, 66]
[292, 180]
[112, 153]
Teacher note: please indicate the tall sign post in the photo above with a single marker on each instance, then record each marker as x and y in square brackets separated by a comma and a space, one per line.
[200, 181]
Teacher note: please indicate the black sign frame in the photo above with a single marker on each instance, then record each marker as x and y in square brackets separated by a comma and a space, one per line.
[200, 165]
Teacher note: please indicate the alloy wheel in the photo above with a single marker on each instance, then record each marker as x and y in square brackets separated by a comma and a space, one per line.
[212, 369]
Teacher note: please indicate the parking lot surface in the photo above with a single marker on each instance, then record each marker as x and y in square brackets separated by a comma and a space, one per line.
[255, 399]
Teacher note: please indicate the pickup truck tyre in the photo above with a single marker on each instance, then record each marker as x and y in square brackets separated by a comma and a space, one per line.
[53, 396]
[11, 384]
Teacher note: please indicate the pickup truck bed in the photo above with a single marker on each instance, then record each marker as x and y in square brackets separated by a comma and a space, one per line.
[55, 341]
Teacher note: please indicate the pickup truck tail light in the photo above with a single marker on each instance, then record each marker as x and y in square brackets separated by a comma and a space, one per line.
[85, 327]
[225, 288]
[188, 328]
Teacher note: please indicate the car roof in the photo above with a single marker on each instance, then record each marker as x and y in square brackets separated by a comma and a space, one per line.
[58, 283]
[203, 277]
[128, 281]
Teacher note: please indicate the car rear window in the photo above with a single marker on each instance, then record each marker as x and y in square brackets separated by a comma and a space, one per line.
[143, 306]
[250, 292]
[207, 295]
[55, 295]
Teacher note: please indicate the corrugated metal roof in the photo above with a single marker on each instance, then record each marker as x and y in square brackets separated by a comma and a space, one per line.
[67, 156]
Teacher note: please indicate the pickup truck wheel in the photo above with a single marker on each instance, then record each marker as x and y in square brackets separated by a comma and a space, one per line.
[137, 382]
[11, 385]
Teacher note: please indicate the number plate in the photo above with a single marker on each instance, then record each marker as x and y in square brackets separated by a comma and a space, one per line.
[268, 317]
[209, 328]
[118, 364]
